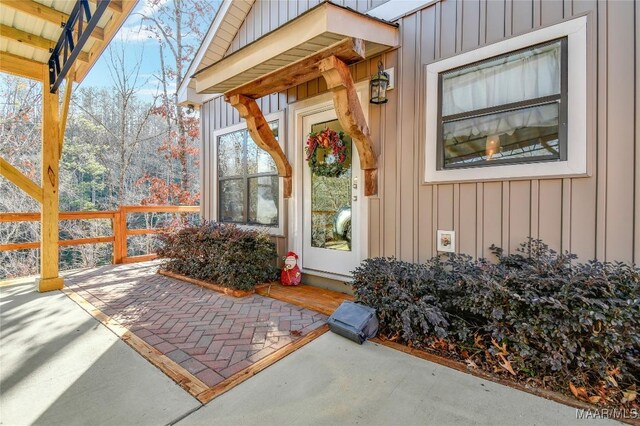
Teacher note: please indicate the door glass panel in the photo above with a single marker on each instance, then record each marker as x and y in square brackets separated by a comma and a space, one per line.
[331, 200]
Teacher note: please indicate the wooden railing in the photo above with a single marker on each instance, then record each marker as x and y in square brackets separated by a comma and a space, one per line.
[118, 224]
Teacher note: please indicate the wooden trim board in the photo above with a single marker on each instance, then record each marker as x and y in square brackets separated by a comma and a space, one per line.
[309, 297]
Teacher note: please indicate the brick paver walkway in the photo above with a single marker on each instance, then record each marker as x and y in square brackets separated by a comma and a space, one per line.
[211, 335]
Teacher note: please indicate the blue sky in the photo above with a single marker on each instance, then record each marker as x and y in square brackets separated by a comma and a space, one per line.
[138, 44]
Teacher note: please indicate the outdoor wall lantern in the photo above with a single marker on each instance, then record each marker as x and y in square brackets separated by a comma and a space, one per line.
[379, 83]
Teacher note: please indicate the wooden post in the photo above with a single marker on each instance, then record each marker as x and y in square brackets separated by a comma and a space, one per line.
[119, 236]
[49, 274]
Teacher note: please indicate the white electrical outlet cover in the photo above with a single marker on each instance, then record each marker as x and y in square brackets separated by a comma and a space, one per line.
[446, 241]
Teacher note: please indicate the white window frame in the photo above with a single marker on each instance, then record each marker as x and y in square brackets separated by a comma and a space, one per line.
[276, 231]
[576, 163]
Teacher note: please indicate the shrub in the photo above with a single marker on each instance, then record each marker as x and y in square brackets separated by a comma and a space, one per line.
[539, 313]
[403, 295]
[224, 254]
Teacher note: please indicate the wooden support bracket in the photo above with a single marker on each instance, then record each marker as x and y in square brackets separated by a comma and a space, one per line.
[65, 110]
[351, 117]
[16, 177]
[263, 136]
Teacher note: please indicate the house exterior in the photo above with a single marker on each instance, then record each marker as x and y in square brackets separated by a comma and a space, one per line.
[505, 120]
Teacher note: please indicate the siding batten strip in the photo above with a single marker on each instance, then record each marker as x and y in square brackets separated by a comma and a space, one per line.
[636, 224]
[601, 172]
[506, 215]
[535, 208]
[566, 214]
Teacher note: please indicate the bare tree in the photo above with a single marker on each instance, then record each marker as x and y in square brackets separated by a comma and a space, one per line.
[178, 27]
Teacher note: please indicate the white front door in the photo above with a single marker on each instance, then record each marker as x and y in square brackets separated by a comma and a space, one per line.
[331, 205]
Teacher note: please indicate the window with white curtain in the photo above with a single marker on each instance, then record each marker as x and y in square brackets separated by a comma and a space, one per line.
[248, 183]
[512, 109]
[505, 110]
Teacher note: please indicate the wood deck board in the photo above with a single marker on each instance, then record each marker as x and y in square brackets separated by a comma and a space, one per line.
[313, 298]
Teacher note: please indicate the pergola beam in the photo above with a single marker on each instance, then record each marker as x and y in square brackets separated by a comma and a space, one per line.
[114, 5]
[22, 67]
[34, 40]
[49, 14]
[351, 117]
[263, 136]
[16, 177]
[74, 36]
[349, 50]
[345, 100]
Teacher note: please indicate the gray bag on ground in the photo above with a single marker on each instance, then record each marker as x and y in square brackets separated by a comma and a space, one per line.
[354, 321]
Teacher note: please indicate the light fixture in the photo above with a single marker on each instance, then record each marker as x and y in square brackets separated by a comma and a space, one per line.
[492, 146]
[190, 109]
[379, 83]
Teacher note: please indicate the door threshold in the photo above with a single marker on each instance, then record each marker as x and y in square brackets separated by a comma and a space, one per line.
[306, 296]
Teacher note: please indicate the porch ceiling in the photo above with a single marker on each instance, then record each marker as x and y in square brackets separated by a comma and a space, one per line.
[29, 29]
[323, 30]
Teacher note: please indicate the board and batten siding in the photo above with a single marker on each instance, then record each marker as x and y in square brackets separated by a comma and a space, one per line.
[597, 216]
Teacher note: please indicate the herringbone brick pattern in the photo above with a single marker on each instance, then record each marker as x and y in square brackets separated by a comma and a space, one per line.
[211, 335]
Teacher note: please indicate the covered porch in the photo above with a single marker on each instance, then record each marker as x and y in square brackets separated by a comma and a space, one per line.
[55, 43]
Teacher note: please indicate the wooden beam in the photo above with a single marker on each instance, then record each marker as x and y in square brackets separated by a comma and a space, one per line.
[114, 5]
[19, 217]
[34, 217]
[19, 246]
[349, 50]
[40, 11]
[65, 110]
[119, 224]
[49, 274]
[16, 177]
[61, 243]
[351, 117]
[123, 8]
[22, 67]
[263, 136]
[33, 40]
[160, 209]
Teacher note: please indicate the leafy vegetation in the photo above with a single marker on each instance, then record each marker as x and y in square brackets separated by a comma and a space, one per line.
[536, 315]
[223, 254]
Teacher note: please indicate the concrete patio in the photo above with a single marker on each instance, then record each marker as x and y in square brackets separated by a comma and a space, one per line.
[59, 365]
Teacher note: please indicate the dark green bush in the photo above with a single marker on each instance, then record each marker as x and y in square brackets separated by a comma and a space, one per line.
[549, 316]
[224, 254]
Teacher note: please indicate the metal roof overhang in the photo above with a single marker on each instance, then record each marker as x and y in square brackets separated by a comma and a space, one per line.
[324, 31]
[30, 30]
